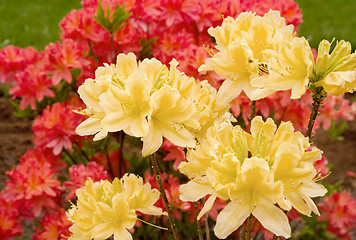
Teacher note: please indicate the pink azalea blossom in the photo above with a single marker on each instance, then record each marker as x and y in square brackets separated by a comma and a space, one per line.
[33, 185]
[55, 128]
[339, 211]
[54, 226]
[61, 58]
[175, 153]
[31, 86]
[14, 60]
[10, 225]
[80, 173]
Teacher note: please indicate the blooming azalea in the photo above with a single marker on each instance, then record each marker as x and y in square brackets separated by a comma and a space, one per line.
[80, 173]
[53, 226]
[31, 86]
[245, 45]
[254, 171]
[339, 210]
[149, 101]
[105, 208]
[34, 184]
[54, 129]
[10, 226]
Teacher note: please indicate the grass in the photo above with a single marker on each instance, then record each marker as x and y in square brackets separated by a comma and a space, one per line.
[36, 21]
[32, 22]
[328, 19]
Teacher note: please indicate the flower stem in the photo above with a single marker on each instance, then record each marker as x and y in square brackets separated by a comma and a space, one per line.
[318, 97]
[253, 110]
[172, 224]
[248, 228]
[274, 237]
[197, 221]
[111, 47]
[122, 168]
[206, 224]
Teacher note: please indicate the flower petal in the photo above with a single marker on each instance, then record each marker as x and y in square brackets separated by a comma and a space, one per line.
[273, 219]
[231, 218]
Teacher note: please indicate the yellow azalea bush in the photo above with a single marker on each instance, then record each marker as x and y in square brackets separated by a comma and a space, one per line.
[261, 55]
[254, 172]
[104, 209]
[150, 101]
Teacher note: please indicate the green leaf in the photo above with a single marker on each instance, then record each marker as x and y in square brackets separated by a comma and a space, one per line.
[119, 16]
[26, 113]
[146, 49]
[335, 131]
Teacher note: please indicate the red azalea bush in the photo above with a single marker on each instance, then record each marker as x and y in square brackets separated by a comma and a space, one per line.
[44, 82]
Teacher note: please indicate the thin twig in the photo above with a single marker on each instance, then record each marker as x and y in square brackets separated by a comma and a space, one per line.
[248, 228]
[317, 99]
[206, 223]
[70, 156]
[172, 224]
[111, 47]
[253, 110]
[122, 168]
[197, 221]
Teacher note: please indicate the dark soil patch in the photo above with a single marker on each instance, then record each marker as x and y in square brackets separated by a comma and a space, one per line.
[15, 138]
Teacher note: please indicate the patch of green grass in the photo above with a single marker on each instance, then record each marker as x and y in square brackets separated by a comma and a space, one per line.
[32, 22]
[328, 19]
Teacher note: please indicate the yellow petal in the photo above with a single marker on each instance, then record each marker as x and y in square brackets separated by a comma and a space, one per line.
[230, 219]
[207, 206]
[273, 219]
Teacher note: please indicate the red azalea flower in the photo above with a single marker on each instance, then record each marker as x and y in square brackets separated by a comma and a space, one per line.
[339, 210]
[61, 58]
[55, 128]
[10, 224]
[54, 226]
[33, 185]
[80, 173]
[175, 153]
[31, 86]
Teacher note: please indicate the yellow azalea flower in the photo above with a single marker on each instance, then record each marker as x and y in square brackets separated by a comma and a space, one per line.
[104, 209]
[127, 109]
[337, 83]
[256, 193]
[90, 92]
[254, 172]
[340, 59]
[169, 111]
[150, 101]
[292, 68]
[140, 196]
[245, 45]
[335, 71]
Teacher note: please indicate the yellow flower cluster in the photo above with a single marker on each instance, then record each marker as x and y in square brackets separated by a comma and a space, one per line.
[261, 55]
[336, 72]
[149, 101]
[253, 172]
[105, 208]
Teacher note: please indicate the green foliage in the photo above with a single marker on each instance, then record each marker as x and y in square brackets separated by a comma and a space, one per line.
[119, 16]
[32, 23]
[314, 230]
[335, 131]
[328, 19]
[25, 113]
[146, 45]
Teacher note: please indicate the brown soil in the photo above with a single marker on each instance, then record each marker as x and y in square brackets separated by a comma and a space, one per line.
[16, 137]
